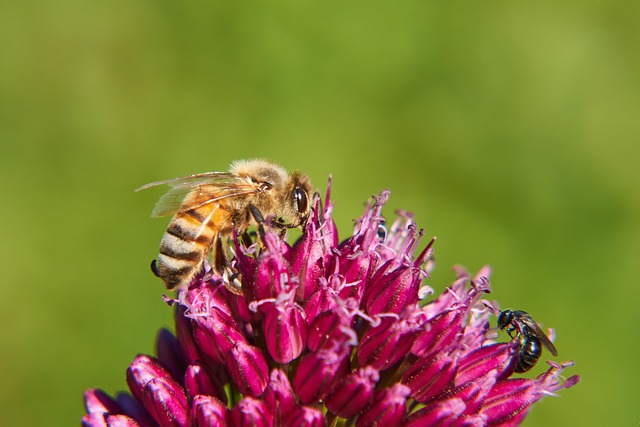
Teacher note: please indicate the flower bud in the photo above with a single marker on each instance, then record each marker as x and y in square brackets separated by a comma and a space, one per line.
[328, 329]
[508, 400]
[279, 396]
[134, 409]
[97, 401]
[472, 393]
[158, 392]
[166, 402]
[245, 265]
[243, 312]
[428, 378]
[442, 413]
[393, 291]
[216, 334]
[324, 297]
[384, 345]
[305, 416]
[250, 412]
[273, 271]
[315, 373]
[248, 369]
[141, 371]
[355, 269]
[285, 332]
[353, 393]
[198, 380]
[184, 334]
[439, 333]
[106, 420]
[309, 256]
[96, 419]
[388, 407]
[170, 354]
[120, 420]
[207, 411]
[483, 360]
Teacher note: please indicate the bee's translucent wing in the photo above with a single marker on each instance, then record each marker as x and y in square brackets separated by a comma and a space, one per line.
[193, 191]
[191, 181]
[181, 200]
[531, 324]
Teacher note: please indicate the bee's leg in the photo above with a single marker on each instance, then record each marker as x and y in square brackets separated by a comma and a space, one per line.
[154, 268]
[280, 228]
[218, 256]
[246, 238]
[221, 267]
[232, 281]
[257, 215]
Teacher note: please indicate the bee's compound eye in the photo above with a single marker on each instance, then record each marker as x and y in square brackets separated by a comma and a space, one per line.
[301, 200]
[504, 319]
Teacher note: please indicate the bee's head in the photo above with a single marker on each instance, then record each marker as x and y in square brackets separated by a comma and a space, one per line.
[505, 318]
[298, 201]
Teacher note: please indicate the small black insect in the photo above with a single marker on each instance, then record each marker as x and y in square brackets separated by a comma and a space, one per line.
[530, 335]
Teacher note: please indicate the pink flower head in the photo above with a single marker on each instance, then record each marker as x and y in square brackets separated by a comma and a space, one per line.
[329, 332]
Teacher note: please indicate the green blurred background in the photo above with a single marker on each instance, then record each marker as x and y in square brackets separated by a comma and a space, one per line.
[510, 129]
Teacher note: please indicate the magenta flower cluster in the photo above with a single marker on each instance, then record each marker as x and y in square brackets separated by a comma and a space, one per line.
[329, 333]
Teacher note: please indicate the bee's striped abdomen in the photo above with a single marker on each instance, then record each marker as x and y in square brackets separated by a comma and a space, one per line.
[184, 246]
[530, 351]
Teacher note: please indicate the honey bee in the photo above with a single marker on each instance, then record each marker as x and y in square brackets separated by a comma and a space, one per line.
[208, 207]
[530, 335]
